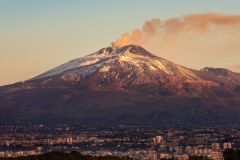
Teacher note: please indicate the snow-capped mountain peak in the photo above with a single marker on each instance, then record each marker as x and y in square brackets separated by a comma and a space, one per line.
[134, 59]
[120, 83]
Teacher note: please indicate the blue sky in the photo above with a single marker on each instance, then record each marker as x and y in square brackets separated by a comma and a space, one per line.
[110, 17]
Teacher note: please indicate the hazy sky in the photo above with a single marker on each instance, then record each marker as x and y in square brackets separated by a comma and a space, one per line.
[37, 35]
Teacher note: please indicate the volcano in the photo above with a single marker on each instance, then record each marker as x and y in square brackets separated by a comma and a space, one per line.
[124, 85]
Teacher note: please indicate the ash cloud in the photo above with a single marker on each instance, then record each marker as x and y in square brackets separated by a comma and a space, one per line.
[192, 40]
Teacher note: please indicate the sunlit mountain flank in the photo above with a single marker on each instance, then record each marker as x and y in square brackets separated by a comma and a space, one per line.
[124, 85]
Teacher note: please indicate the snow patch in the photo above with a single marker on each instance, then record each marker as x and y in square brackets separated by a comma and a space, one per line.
[105, 69]
[105, 58]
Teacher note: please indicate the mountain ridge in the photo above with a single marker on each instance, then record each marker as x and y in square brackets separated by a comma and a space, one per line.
[124, 85]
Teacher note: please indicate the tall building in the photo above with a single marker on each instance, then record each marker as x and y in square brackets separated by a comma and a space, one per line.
[215, 146]
[159, 139]
[227, 145]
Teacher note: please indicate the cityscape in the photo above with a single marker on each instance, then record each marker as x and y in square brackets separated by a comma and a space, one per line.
[136, 142]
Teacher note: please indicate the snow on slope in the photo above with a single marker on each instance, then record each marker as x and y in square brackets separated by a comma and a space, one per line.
[136, 56]
[73, 64]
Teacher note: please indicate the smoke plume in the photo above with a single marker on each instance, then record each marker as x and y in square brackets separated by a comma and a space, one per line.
[192, 40]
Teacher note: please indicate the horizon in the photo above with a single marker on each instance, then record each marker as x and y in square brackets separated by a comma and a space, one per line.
[38, 36]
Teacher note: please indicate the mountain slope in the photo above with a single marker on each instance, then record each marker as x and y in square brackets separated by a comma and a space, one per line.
[135, 58]
[123, 85]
